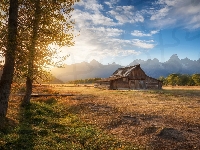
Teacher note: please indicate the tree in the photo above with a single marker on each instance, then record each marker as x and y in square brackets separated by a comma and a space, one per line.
[191, 81]
[183, 80]
[196, 79]
[9, 53]
[163, 79]
[172, 79]
[31, 51]
[48, 23]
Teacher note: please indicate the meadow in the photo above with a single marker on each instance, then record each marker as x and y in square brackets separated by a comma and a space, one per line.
[92, 118]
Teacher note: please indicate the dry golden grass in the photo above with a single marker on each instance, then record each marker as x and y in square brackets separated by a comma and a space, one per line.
[163, 119]
[52, 123]
[157, 119]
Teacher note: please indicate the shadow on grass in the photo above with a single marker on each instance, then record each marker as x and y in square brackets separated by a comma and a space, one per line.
[47, 124]
[24, 132]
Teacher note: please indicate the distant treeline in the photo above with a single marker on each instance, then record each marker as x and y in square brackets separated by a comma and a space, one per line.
[172, 79]
[181, 80]
[84, 81]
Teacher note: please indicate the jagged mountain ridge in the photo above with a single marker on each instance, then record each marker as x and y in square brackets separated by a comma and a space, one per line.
[84, 70]
[152, 67]
[156, 69]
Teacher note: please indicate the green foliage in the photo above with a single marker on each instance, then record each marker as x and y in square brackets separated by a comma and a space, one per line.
[44, 27]
[196, 79]
[172, 79]
[181, 80]
[46, 124]
[84, 81]
[161, 78]
[4, 5]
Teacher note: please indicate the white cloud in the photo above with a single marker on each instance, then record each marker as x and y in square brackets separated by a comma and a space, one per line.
[99, 19]
[100, 36]
[85, 19]
[168, 2]
[110, 32]
[154, 32]
[91, 5]
[160, 14]
[176, 13]
[111, 3]
[100, 43]
[142, 34]
[143, 44]
[126, 14]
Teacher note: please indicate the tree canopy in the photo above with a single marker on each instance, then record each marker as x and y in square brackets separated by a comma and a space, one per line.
[49, 23]
[38, 24]
[181, 80]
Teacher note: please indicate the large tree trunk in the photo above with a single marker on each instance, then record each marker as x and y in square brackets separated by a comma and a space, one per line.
[8, 70]
[29, 87]
[32, 52]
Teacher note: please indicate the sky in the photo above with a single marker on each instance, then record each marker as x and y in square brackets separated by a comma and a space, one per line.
[121, 31]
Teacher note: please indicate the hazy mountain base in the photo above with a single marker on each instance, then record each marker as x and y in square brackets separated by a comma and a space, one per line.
[152, 68]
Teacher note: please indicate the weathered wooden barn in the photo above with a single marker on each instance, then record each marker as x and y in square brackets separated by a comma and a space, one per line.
[132, 77]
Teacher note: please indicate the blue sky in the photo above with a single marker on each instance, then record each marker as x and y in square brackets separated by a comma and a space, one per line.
[124, 30]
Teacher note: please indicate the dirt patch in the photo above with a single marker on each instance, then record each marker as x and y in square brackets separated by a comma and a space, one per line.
[149, 117]
[101, 108]
[131, 120]
[114, 123]
[150, 130]
[172, 134]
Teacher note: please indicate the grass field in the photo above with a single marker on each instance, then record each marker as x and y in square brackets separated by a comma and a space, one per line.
[105, 119]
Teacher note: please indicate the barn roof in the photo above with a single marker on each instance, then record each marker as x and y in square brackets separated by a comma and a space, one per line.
[120, 73]
[108, 79]
[123, 72]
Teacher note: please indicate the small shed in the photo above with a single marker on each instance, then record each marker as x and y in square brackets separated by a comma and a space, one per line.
[132, 77]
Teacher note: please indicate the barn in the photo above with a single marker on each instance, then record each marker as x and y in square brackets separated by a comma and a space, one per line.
[132, 77]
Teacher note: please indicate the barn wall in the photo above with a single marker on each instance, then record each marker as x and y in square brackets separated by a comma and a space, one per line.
[136, 79]
[152, 83]
[137, 84]
[104, 85]
[125, 83]
[138, 74]
[121, 83]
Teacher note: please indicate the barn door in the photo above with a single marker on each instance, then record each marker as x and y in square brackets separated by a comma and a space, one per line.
[142, 84]
[132, 84]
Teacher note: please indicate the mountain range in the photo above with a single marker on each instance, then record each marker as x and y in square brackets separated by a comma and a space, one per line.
[152, 67]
